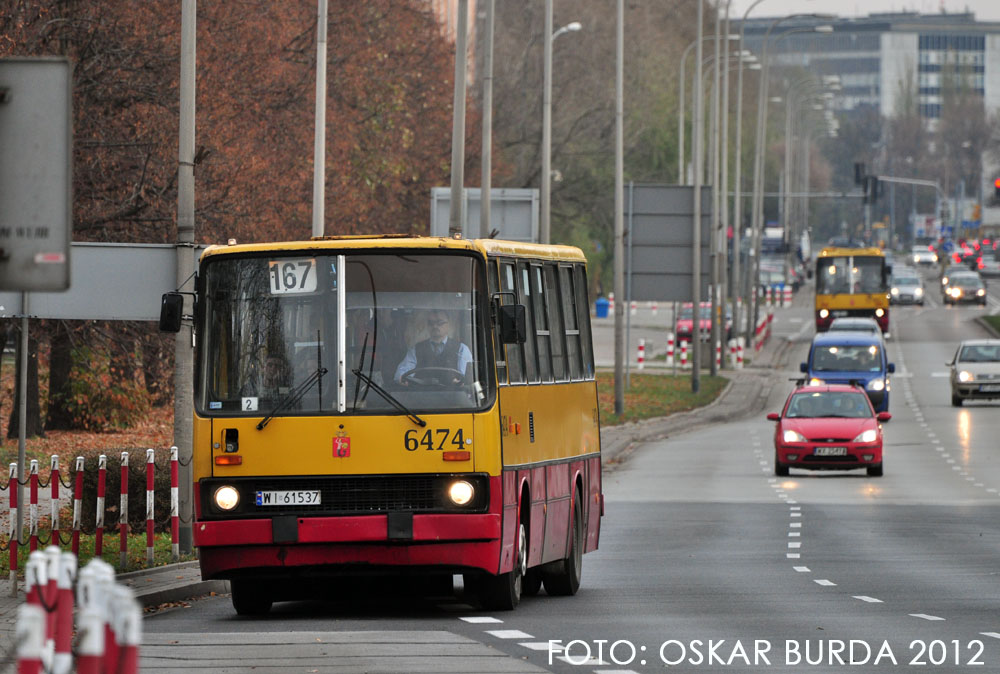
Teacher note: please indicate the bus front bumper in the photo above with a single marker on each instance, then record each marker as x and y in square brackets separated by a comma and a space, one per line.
[229, 548]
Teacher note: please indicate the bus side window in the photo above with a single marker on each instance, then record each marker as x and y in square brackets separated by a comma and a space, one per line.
[583, 320]
[499, 350]
[524, 297]
[553, 307]
[572, 330]
[515, 352]
[543, 336]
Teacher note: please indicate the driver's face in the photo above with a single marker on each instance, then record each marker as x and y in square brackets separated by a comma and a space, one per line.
[438, 326]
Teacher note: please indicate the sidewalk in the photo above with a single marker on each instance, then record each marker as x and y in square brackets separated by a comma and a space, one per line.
[746, 394]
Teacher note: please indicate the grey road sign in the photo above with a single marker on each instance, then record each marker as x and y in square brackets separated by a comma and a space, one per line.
[513, 213]
[36, 132]
[659, 219]
[109, 281]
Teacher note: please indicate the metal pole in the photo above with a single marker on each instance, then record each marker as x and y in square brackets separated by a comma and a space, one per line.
[545, 196]
[714, 228]
[696, 224]
[458, 123]
[487, 170]
[319, 146]
[22, 413]
[619, 255]
[724, 181]
[184, 341]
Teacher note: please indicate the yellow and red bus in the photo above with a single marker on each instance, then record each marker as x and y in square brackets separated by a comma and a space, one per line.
[329, 439]
[851, 282]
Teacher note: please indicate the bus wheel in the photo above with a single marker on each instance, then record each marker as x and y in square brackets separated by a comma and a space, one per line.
[503, 592]
[249, 598]
[532, 582]
[564, 578]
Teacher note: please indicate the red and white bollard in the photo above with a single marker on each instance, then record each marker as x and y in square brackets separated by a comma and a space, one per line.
[611, 304]
[129, 633]
[633, 307]
[670, 348]
[718, 354]
[123, 515]
[62, 658]
[29, 635]
[12, 546]
[642, 353]
[684, 353]
[77, 505]
[786, 300]
[740, 345]
[33, 506]
[731, 344]
[102, 481]
[175, 523]
[654, 307]
[51, 595]
[54, 505]
[150, 468]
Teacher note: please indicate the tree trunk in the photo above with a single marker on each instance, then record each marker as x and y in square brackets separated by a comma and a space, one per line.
[157, 367]
[60, 364]
[34, 417]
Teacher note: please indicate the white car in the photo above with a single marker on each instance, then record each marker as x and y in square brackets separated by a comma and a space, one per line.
[975, 371]
[922, 255]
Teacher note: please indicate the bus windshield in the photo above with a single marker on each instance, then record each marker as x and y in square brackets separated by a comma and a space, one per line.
[850, 275]
[287, 334]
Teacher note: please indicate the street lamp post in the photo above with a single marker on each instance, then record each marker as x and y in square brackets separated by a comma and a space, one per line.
[545, 229]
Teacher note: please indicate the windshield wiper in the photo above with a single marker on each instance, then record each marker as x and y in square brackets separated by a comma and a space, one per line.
[294, 396]
[388, 397]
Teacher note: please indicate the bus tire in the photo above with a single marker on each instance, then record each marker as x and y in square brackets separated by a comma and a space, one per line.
[532, 582]
[564, 578]
[249, 598]
[503, 592]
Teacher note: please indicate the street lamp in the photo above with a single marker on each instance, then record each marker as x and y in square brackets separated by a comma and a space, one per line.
[681, 172]
[545, 228]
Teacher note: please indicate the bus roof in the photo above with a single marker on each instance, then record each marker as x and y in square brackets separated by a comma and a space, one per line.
[836, 251]
[396, 241]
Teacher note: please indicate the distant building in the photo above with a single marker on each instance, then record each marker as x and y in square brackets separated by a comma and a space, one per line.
[874, 55]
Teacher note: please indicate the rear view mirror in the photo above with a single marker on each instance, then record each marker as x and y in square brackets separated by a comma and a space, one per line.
[891, 368]
[513, 325]
[773, 416]
[803, 367]
[171, 311]
[883, 416]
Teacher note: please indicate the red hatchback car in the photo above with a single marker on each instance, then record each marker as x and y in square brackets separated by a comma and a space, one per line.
[831, 427]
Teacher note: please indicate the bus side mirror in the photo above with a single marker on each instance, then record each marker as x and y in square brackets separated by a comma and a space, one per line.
[171, 310]
[803, 367]
[513, 325]
[891, 368]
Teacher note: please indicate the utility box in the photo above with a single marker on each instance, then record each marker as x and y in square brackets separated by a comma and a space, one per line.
[36, 177]
[513, 213]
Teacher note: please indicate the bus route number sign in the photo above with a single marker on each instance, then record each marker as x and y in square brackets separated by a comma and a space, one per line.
[289, 276]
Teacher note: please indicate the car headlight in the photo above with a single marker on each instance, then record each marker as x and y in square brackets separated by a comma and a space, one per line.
[955, 292]
[815, 382]
[916, 258]
[965, 376]
[980, 292]
[894, 291]
[917, 292]
[934, 258]
[226, 498]
[867, 436]
[876, 385]
[793, 436]
[461, 492]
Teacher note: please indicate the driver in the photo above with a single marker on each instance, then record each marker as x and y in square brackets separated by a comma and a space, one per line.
[438, 350]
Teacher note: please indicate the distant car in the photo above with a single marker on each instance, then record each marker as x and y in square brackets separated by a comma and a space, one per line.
[851, 358]
[988, 264]
[975, 371]
[923, 255]
[906, 289]
[829, 427]
[955, 273]
[856, 324]
[965, 289]
[685, 320]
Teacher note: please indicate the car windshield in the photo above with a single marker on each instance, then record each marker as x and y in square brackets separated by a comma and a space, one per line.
[979, 353]
[828, 404]
[906, 281]
[854, 326]
[849, 274]
[847, 358]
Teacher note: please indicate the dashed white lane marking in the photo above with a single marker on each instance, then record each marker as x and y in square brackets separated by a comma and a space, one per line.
[792, 555]
[794, 534]
[794, 545]
[615, 671]
[795, 514]
[801, 569]
[481, 619]
[993, 635]
[924, 616]
[870, 600]
[592, 662]
[795, 525]
[509, 634]
[542, 646]
[796, 507]
[824, 582]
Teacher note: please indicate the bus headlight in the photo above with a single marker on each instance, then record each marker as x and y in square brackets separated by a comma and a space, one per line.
[461, 492]
[880, 312]
[226, 498]
[815, 382]
[823, 313]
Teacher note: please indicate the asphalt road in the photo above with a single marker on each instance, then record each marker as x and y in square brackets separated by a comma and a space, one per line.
[708, 562]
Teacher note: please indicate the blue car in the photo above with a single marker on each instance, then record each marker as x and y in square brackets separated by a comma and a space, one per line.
[851, 357]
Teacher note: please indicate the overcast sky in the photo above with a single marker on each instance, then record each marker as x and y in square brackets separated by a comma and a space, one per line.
[985, 10]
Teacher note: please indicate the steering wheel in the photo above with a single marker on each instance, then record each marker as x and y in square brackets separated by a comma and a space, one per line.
[433, 377]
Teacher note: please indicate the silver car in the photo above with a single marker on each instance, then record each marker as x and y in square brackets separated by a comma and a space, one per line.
[922, 255]
[975, 371]
[906, 289]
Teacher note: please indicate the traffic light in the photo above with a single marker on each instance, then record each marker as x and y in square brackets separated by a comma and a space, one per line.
[996, 188]
[871, 189]
[859, 173]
